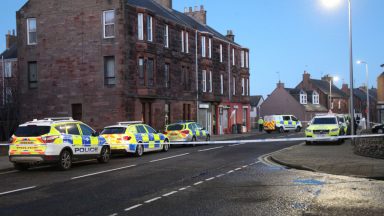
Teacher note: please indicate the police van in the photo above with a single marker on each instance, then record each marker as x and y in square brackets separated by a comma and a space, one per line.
[282, 123]
[56, 140]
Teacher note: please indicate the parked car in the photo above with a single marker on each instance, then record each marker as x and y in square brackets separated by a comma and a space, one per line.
[282, 123]
[379, 129]
[135, 137]
[56, 140]
[187, 132]
[327, 126]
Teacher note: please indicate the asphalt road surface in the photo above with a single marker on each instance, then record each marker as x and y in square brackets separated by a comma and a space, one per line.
[203, 180]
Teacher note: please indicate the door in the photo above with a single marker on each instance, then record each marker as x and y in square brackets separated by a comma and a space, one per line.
[144, 136]
[153, 138]
[77, 141]
[224, 121]
[287, 122]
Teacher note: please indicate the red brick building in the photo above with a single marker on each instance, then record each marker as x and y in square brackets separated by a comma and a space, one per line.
[116, 60]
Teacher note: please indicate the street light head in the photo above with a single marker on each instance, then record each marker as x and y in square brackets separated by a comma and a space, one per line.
[331, 3]
[335, 79]
[361, 62]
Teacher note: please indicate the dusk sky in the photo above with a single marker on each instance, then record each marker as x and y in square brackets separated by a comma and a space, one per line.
[286, 36]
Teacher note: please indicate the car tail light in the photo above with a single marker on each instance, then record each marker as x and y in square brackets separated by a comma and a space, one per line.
[127, 138]
[185, 132]
[165, 133]
[11, 140]
[49, 139]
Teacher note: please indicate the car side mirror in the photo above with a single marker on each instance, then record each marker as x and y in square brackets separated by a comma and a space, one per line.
[95, 134]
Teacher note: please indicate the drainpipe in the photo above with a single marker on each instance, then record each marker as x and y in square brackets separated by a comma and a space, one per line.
[2, 60]
[229, 73]
[197, 77]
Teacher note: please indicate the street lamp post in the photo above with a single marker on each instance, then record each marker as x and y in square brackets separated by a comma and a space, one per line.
[368, 105]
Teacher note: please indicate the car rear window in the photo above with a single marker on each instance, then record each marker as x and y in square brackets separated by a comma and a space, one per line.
[114, 130]
[324, 121]
[175, 127]
[32, 131]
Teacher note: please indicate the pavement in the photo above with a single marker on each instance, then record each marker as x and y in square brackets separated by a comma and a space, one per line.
[332, 159]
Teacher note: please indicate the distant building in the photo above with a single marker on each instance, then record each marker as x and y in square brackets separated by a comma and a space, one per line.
[380, 97]
[8, 86]
[108, 61]
[256, 102]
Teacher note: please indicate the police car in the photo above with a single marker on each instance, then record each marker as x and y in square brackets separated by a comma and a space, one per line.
[56, 140]
[187, 131]
[282, 123]
[135, 137]
[325, 126]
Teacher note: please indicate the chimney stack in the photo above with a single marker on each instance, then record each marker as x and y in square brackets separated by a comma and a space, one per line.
[280, 85]
[306, 78]
[198, 14]
[165, 3]
[345, 88]
[230, 35]
[10, 39]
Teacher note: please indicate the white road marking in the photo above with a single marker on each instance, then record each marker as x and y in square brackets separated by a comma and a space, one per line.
[169, 194]
[115, 214]
[209, 149]
[152, 200]
[235, 145]
[221, 175]
[209, 179]
[245, 166]
[230, 171]
[17, 190]
[184, 188]
[180, 155]
[9, 172]
[197, 183]
[106, 171]
[133, 207]
[237, 169]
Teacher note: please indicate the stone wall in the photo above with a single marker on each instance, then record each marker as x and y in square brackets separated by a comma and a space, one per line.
[369, 147]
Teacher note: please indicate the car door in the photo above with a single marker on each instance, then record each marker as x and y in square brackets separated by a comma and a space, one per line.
[287, 122]
[143, 136]
[154, 138]
[75, 135]
[90, 142]
[199, 130]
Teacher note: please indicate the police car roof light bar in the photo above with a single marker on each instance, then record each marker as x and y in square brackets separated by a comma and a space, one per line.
[59, 119]
[129, 122]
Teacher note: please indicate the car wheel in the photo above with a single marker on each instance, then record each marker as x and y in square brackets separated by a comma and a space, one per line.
[281, 130]
[308, 143]
[193, 140]
[298, 129]
[65, 160]
[105, 155]
[208, 138]
[380, 131]
[21, 166]
[139, 150]
[165, 146]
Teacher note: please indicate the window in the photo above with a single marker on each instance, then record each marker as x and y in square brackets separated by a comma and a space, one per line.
[141, 72]
[109, 24]
[149, 29]
[204, 81]
[166, 36]
[242, 58]
[150, 130]
[150, 72]
[185, 78]
[32, 74]
[303, 97]
[182, 42]
[210, 81]
[87, 131]
[140, 26]
[210, 48]
[316, 98]
[339, 104]
[73, 129]
[286, 118]
[109, 70]
[242, 86]
[234, 85]
[141, 129]
[8, 95]
[247, 60]
[186, 42]
[332, 105]
[166, 76]
[77, 111]
[233, 57]
[221, 52]
[247, 89]
[167, 116]
[32, 31]
[8, 69]
[203, 51]
[221, 84]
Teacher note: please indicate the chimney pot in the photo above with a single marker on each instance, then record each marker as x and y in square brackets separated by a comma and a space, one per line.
[201, 7]
[165, 3]
[196, 9]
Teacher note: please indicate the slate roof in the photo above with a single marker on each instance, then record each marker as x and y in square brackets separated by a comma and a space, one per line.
[177, 17]
[10, 53]
[362, 95]
[323, 85]
[254, 100]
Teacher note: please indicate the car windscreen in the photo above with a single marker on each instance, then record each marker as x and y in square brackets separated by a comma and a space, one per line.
[341, 120]
[32, 131]
[114, 130]
[324, 121]
[175, 127]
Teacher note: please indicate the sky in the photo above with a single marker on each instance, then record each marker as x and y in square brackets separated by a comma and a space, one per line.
[286, 37]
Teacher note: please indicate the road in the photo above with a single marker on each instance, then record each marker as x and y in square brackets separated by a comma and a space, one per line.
[205, 180]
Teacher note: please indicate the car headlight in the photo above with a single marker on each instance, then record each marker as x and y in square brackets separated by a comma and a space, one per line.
[335, 130]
